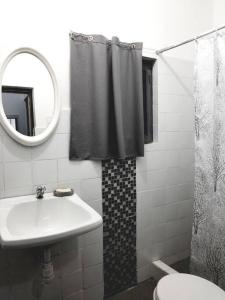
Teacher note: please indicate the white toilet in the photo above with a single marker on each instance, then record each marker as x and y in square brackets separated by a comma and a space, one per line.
[180, 286]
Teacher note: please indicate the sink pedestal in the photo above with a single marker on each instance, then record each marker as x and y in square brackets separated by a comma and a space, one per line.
[47, 265]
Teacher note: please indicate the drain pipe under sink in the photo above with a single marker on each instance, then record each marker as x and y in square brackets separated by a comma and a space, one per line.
[47, 270]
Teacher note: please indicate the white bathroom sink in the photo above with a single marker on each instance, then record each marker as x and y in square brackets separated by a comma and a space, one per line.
[27, 221]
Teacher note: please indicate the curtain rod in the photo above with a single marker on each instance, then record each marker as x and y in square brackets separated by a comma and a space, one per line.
[189, 40]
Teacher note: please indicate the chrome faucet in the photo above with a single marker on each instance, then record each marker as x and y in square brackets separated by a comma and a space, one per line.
[40, 190]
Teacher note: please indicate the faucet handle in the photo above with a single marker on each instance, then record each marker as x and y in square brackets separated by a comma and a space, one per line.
[40, 190]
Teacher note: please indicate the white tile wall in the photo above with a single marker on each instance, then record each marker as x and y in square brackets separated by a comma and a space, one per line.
[40, 176]
[165, 175]
[90, 278]
[17, 175]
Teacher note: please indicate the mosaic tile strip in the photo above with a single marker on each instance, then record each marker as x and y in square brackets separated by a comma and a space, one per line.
[119, 224]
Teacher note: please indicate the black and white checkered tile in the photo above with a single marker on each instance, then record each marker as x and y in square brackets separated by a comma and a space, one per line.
[119, 224]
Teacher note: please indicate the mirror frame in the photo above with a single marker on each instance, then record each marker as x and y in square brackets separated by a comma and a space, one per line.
[17, 136]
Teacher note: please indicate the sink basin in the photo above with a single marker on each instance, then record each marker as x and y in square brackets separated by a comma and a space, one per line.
[26, 221]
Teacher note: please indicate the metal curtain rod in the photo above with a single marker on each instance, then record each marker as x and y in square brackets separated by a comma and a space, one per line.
[189, 40]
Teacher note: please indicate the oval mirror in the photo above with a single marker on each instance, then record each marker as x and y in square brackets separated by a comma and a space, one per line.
[29, 102]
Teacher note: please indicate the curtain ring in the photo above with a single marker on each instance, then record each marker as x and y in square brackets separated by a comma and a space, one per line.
[90, 38]
[133, 46]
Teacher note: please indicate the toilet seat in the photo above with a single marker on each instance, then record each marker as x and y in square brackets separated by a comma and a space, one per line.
[181, 286]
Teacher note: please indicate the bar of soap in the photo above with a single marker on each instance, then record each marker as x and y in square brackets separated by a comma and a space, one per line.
[62, 192]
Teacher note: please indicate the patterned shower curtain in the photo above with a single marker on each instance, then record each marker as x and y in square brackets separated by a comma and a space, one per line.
[208, 238]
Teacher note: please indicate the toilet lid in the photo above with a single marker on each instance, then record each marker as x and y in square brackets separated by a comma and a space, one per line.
[187, 287]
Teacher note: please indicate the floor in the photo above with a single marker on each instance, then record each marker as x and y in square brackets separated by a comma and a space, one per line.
[143, 291]
[182, 266]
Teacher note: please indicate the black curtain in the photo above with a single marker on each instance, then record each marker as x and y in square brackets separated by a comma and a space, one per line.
[106, 98]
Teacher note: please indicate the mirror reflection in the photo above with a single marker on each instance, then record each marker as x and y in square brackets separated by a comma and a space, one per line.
[27, 94]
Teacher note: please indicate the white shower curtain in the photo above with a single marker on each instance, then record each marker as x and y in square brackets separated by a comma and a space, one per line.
[208, 239]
